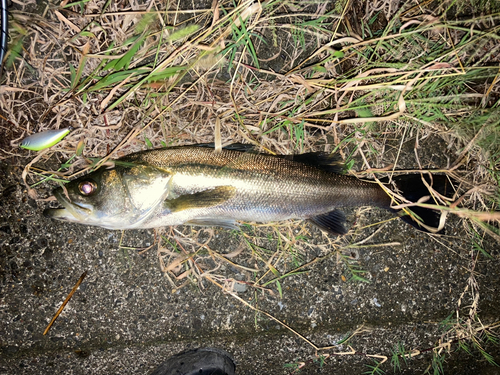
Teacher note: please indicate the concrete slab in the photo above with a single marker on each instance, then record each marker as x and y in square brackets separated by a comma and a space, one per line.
[126, 318]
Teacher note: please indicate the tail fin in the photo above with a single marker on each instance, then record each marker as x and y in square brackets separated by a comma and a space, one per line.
[413, 188]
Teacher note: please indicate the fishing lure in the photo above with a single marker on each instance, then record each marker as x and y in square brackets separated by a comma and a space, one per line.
[43, 140]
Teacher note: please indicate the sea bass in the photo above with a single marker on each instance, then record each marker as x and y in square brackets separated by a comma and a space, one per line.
[197, 185]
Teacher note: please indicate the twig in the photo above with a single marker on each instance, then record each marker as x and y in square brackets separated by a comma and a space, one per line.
[65, 302]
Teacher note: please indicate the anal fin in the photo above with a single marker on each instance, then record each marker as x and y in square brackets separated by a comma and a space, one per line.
[331, 222]
[201, 199]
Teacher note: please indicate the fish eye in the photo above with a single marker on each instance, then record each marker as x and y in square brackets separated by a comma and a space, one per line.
[87, 188]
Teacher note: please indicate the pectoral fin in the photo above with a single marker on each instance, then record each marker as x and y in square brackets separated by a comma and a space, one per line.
[332, 222]
[202, 199]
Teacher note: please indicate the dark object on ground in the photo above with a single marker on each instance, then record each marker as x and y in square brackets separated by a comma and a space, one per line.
[413, 189]
[205, 361]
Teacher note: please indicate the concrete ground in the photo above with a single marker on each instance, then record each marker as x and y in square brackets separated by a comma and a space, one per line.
[126, 318]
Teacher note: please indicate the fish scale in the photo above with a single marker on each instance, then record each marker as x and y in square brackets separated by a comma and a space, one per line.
[269, 188]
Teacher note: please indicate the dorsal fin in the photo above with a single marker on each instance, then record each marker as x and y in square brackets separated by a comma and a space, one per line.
[321, 160]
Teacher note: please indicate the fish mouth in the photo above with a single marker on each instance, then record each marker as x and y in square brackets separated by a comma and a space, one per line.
[70, 211]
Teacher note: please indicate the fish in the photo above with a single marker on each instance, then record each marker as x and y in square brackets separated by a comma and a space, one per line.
[43, 140]
[197, 185]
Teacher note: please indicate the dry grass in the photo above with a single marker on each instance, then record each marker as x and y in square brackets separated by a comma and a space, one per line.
[286, 77]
